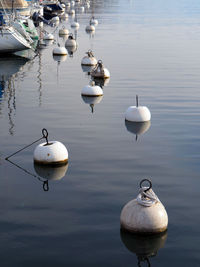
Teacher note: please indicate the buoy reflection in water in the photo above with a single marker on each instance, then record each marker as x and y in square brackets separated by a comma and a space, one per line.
[137, 128]
[144, 247]
[92, 100]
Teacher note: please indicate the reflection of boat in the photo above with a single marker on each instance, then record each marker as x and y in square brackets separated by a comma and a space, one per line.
[143, 246]
[137, 128]
[92, 100]
[9, 65]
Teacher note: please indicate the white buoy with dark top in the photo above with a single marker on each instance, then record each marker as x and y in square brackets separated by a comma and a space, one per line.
[137, 113]
[92, 90]
[100, 72]
[59, 51]
[145, 214]
[89, 60]
[70, 42]
[50, 152]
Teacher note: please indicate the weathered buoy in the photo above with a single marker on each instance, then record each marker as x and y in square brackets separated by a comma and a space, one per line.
[70, 42]
[59, 51]
[137, 113]
[94, 21]
[92, 101]
[89, 60]
[145, 246]
[92, 90]
[63, 31]
[137, 128]
[50, 152]
[71, 12]
[90, 28]
[75, 24]
[99, 71]
[48, 36]
[145, 214]
[51, 172]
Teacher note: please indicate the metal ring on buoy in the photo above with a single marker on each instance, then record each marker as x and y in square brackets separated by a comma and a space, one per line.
[150, 184]
[45, 134]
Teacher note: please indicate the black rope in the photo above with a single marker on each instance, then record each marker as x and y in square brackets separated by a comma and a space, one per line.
[45, 135]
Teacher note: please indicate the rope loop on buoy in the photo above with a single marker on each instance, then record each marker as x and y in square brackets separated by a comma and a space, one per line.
[45, 135]
[146, 196]
[71, 36]
[90, 53]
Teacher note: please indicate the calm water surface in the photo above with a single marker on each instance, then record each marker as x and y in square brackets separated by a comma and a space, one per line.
[151, 48]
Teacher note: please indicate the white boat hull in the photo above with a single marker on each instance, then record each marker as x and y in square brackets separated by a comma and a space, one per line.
[11, 41]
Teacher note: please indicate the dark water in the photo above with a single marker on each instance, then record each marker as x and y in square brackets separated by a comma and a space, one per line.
[151, 48]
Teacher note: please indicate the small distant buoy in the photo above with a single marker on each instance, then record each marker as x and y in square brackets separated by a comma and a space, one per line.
[67, 4]
[48, 36]
[90, 28]
[72, 12]
[100, 72]
[72, 3]
[145, 214]
[70, 42]
[92, 90]
[63, 6]
[63, 31]
[50, 152]
[89, 60]
[81, 9]
[87, 5]
[59, 51]
[65, 16]
[55, 19]
[137, 113]
[94, 21]
[75, 24]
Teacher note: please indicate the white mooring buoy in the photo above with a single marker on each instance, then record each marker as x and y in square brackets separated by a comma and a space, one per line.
[72, 3]
[100, 72]
[72, 12]
[137, 113]
[70, 42]
[55, 19]
[60, 51]
[48, 36]
[50, 152]
[90, 28]
[89, 60]
[75, 24]
[92, 90]
[94, 21]
[145, 214]
[63, 31]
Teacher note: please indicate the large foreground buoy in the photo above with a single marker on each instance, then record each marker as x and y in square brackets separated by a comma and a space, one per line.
[137, 113]
[50, 152]
[70, 42]
[92, 90]
[145, 214]
[100, 72]
[89, 60]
